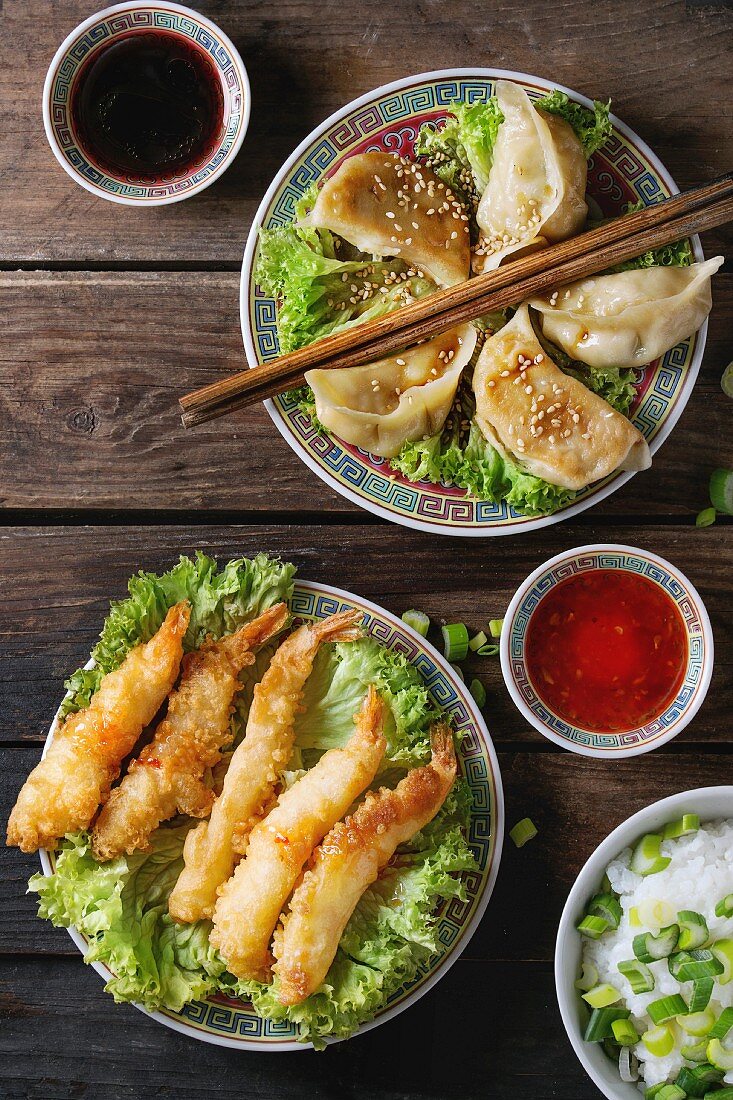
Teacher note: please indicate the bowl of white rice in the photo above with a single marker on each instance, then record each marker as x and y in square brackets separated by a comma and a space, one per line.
[690, 873]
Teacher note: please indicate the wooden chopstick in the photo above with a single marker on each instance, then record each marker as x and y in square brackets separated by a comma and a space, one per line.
[612, 243]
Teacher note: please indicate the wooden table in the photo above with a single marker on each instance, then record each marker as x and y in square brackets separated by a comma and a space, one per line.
[109, 313]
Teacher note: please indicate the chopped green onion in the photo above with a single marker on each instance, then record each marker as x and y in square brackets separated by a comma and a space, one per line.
[702, 991]
[601, 996]
[724, 908]
[706, 518]
[599, 1026]
[606, 887]
[488, 651]
[588, 976]
[659, 1041]
[723, 951]
[721, 491]
[592, 927]
[647, 858]
[695, 1080]
[655, 913]
[664, 1091]
[455, 641]
[477, 641]
[686, 966]
[524, 831]
[697, 1052]
[719, 1057]
[606, 906]
[495, 627]
[634, 918]
[628, 1063]
[418, 620]
[726, 382]
[651, 948]
[723, 1024]
[638, 974]
[666, 1008]
[459, 672]
[478, 691]
[720, 1094]
[624, 1033]
[698, 1023]
[693, 930]
[688, 823]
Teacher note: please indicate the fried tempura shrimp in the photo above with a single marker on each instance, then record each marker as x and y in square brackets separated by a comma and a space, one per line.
[250, 902]
[62, 793]
[212, 848]
[348, 862]
[167, 777]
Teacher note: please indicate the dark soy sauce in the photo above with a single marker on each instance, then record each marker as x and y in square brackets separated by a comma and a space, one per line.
[148, 105]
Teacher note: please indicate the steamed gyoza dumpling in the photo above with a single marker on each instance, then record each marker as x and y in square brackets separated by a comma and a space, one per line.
[549, 423]
[536, 189]
[630, 318]
[405, 397]
[387, 206]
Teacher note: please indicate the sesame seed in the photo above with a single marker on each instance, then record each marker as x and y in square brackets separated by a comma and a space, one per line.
[400, 362]
[504, 374]
[492, 383]
[551, 438]
[389, 214]
[527, 389]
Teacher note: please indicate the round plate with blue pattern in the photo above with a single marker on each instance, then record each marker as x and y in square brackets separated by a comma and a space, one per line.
[389, 119]
[233, 1023]
[698, 671]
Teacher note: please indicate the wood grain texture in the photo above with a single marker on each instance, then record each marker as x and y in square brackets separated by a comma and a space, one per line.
[59, 582]
[665, 64]
[92, 366]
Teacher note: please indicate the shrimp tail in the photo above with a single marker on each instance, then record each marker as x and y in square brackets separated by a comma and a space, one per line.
[238, 646]
[442, 749]
[345, 626]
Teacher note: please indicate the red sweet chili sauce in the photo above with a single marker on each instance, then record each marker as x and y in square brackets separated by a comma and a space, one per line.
[606, 650]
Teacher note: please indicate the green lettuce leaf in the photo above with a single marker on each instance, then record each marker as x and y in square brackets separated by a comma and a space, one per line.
[677, 254]
[592, 126]
[221, 600]
[122, 907]
[390, 934]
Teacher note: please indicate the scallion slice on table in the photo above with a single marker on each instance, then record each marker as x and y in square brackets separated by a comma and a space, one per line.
[495, 627]
[723, 952]
[659, 1041]
[726, 381]
[588, 976]
[702, 991]
[693, 930]
[665, 1092]
[687, 966]
[455, 641]
[666, 1008]
[599, 1026]
[459, 673]
[478, 691]
[418, 620]
[625, 1033]
[647, 858]
[650, 948]
[723, 1024]
[698, 1023]
[706, 518]
[601, 996]
[721, 491]
[526, 830]
[724, 907]
[696, 1080]
[606, 906]
[477, 641]
[638, 975]
[688, 823]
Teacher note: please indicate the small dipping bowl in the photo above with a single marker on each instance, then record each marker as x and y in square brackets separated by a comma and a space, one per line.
[116, 23]
[697, 673]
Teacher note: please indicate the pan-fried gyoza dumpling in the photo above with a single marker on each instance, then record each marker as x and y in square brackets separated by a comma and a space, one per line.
[536, 189]
[549, 423]
[630, 318]
[405, 397]
[388, 206]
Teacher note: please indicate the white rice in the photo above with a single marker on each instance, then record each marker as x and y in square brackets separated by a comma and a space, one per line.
[700, 874]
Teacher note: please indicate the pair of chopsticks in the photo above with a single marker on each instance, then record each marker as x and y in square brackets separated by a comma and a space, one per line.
[613, 243]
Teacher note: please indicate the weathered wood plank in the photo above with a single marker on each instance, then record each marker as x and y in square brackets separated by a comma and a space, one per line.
[58, 583]
[575, 803]
[92, 366]
[462, 1038]
[663, 64]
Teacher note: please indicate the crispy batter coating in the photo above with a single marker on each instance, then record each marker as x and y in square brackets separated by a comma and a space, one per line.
[347, 862]
[212, 848]
[167, 777]
[251, 901]
[62, 793]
